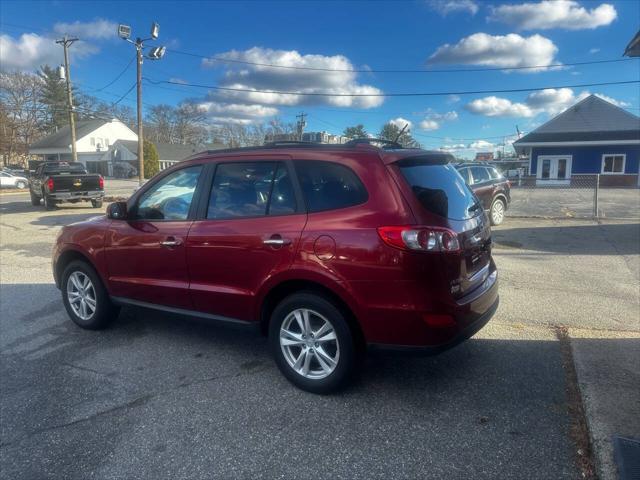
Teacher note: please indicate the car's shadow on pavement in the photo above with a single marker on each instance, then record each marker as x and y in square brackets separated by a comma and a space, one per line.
[569, 238]
[210, 399]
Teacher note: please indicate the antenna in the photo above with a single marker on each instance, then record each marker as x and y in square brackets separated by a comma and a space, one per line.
[401, 132]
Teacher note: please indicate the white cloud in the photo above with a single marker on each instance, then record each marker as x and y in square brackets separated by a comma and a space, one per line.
[453, 98]
[445, 7]
[547, 14]
[257, 77]
[506, 51]
[28, 52]
[594, 50]
[481, 145]
[498, 107]
[401, 122]
[236, 113]
[429, 125]
[551, 101]
[97, 29]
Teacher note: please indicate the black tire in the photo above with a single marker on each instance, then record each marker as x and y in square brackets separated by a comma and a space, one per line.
[97, 203]
[21, 185]
[346, 360]
[35, 200]
[49, 203]
[104, 311]
[497, 211]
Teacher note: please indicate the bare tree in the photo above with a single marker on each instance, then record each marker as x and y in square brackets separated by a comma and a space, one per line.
[23, 115]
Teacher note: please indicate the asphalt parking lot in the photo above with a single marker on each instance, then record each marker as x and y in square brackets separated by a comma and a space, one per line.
[157, 396]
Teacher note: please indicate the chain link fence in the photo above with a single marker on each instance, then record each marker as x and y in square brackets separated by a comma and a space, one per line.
[582, 196]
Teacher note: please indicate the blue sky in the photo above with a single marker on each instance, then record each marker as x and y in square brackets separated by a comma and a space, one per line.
[439, 34]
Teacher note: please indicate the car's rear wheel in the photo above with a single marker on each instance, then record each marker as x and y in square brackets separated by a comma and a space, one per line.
[312, 343]
[497, 211]
[35, 200]
[21, 185]
[49, 203]
[96, 203]
[85, 298]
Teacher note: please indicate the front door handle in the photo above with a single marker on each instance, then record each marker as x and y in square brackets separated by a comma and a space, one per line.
[171, 242]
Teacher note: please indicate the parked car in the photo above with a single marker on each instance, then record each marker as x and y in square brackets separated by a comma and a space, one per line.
[490, 186]
[11, 180]
[328, 249]
[57, 182]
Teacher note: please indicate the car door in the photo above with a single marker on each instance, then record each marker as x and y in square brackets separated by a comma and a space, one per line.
[482, 185]
[5, 180]
[146, 253]
[248, 231]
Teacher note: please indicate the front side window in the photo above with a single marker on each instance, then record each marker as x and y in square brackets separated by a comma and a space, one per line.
[480, 175]
[329, 186]
[170, 198]
[495, 174]
[613, 163]
[251, 189]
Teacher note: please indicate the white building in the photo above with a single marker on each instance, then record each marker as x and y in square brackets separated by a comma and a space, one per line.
[93, 139]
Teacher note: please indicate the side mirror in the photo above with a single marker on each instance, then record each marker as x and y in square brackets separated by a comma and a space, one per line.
[117, 211]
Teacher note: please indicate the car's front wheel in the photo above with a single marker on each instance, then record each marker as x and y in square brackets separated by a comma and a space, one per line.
[312, 343]
[497, 211]
[85, 298]
[21, 185]
[35, 200]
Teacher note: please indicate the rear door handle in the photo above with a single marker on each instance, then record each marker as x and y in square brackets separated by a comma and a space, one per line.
[171, 242]
[277, 241]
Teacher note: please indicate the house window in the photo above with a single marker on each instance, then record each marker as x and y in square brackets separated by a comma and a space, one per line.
[613, 164]
[93, 141]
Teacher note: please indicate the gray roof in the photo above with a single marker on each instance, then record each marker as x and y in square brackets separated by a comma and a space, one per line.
[62, 138]
[171, 151]
[588, 120]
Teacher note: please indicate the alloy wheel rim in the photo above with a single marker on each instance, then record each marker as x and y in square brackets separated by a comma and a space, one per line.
[498, 212]
[81, 295]
[309, 344]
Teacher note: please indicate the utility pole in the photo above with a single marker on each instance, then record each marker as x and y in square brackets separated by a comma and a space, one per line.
[156, 53]
[66, 43]
[301, 124]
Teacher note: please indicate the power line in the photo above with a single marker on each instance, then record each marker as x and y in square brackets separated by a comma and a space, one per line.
[123, 96]
[396, 94]
[118, 76]
[373, 70]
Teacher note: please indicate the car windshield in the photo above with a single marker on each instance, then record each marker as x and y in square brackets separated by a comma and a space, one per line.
[439, 187]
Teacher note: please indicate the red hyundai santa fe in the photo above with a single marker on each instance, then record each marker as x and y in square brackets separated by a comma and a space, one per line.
[329, 249]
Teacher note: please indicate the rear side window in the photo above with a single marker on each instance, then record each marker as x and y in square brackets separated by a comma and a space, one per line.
[329, 186]
[480, 175]
[251, 189]
[439, 188]
[495, 174]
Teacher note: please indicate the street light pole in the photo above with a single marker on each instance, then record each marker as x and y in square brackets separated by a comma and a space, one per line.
[139, 95]
[66, 43]
[156, 53]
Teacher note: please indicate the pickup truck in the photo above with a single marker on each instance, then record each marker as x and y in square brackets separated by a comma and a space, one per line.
[56, 182]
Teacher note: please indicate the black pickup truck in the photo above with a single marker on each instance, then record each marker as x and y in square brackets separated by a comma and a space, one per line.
[57, 182]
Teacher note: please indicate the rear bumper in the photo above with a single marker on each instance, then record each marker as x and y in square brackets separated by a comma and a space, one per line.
[86, 195]
[460, 337]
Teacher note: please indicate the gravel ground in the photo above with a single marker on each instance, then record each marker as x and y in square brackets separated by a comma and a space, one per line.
[157, 396]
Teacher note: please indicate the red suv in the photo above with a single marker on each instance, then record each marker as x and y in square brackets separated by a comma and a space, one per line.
[329, 249]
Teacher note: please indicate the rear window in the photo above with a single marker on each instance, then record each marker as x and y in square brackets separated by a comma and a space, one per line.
[439, 188]
[61, 168]
[329, 186]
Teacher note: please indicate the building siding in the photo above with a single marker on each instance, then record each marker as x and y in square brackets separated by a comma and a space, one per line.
[589, 159]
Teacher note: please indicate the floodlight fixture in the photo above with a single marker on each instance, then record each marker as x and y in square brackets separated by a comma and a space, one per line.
[124, 31]
[155, 30]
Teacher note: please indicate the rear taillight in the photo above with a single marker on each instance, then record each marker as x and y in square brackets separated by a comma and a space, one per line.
[420, 239]
[50, 184]
[101, 183]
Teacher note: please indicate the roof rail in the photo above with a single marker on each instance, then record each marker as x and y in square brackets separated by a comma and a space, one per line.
[369, 141]
[285, 143]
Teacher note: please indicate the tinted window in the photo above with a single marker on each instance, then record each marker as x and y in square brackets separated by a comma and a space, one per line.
[465, 174]
[480, 174]
[495, 174]
[439, 188]
[328, 186]
[244, 189]
[63, 167]
[170, 198]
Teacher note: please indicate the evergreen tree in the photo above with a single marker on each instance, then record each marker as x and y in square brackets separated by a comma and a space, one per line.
[53, 95]
[151, 159]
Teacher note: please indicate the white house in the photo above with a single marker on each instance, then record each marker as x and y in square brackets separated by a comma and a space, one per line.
[93, 139]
